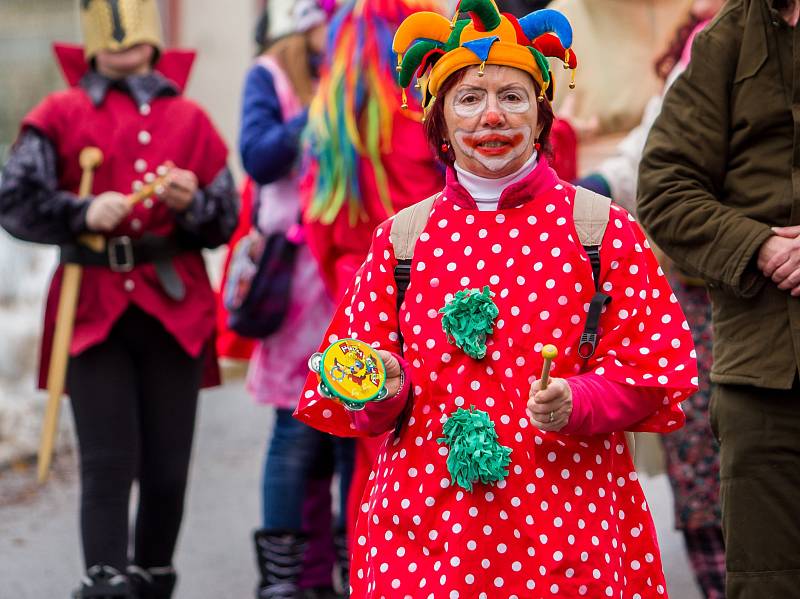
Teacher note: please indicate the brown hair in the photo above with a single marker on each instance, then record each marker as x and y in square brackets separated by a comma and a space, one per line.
[436, 128]
[667, 61]
[292, 54]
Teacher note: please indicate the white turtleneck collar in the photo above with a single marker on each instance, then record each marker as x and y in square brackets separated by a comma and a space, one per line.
[487, 192]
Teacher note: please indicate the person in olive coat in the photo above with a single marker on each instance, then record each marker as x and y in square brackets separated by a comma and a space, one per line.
[719, 193]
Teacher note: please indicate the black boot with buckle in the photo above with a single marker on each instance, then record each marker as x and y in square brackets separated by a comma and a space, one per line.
[280, 562]
[153, 583]
[104, 582]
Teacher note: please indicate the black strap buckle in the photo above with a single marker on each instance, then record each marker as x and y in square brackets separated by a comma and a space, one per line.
[120, 254]
[587, 345]
[402, 278]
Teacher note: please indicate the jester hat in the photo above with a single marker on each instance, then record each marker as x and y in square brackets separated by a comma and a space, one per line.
[427, 40]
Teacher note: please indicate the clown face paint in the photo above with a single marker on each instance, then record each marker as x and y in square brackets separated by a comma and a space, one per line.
[491, 120]
[493, 149]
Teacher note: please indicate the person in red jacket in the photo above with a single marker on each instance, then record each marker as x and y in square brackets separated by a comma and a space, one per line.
[363, 152]
[143, 332]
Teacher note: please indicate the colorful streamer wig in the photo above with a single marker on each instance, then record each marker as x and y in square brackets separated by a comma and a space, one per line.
[352, 113]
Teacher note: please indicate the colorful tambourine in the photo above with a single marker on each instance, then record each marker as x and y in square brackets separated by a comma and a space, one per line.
[351, 372]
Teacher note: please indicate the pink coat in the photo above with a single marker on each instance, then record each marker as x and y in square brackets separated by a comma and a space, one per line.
[279, 364]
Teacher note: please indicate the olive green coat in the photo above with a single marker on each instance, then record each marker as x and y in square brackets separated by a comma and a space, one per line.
[721, 166]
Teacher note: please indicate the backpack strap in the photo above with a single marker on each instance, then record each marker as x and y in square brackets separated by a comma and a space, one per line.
[590, 214]
[407, 226]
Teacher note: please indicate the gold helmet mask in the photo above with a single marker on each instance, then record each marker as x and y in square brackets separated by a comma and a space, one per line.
[116, 25]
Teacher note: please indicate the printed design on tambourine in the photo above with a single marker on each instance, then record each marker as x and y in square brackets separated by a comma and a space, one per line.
[351, 372]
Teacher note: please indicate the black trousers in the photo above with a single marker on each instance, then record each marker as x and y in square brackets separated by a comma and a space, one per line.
[134, 400]
[759, 434]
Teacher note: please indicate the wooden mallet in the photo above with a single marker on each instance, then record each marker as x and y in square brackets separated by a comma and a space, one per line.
[549, 353]
[90, 158]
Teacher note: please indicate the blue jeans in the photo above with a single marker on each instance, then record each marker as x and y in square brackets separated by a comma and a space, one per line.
[296, 453]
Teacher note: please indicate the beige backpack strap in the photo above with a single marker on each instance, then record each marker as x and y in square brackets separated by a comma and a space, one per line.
[590, 214]
[408, 225]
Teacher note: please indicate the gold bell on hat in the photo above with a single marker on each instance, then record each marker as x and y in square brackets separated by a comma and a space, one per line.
[117, 25]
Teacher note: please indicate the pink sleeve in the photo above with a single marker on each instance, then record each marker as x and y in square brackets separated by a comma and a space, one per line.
[379, 417]
[601, 406]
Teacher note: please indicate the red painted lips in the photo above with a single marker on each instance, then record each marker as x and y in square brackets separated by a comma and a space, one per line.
[494, 144]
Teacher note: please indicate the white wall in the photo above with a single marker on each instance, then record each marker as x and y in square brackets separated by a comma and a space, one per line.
[222, 33]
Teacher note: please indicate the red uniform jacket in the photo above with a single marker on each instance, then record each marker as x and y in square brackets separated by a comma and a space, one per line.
[134, 142]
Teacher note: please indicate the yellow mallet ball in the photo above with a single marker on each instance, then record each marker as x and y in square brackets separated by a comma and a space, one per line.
[549, 352]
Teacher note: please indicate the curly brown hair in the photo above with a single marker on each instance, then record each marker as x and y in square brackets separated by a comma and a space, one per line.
[436, 128]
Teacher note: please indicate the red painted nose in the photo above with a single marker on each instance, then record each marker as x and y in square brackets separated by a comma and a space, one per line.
[493, 118]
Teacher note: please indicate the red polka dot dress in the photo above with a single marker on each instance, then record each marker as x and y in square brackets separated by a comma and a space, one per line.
[570, 518]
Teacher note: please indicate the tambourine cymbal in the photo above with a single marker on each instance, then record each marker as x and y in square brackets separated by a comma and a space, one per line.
[350, 371]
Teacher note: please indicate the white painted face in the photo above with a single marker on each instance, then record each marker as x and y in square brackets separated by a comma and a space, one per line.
[492, 121]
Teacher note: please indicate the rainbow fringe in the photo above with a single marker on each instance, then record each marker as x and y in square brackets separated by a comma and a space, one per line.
[352, 113]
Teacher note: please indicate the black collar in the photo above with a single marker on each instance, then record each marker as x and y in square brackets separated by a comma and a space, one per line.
[142, 88]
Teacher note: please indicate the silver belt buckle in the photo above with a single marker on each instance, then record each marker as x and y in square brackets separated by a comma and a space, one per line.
[120, 254]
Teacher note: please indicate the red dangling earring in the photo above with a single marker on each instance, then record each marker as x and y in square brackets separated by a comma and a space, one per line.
[445, 147]
[538, 146]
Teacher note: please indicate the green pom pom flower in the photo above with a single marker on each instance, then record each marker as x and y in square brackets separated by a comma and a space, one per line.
[475, 455]
[468, 318]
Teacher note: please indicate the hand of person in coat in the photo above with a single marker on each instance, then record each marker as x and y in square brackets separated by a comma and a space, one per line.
[556, 400]
[179, 189]
[106, 211]
[393, 372]
[779, 258]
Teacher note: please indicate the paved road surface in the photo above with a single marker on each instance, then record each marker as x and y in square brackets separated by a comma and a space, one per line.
[39, 557]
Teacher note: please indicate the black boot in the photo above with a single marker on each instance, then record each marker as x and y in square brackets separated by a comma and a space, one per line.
[280, 562]
[342, 566]
[104, 582]
[153, 583]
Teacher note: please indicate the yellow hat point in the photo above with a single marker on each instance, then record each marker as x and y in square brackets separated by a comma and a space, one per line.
[549, 352]
[455, 18]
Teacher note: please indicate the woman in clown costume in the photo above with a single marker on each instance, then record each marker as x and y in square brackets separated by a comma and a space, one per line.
[489, 485]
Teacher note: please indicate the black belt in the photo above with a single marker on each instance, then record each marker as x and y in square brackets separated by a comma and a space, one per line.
[123, 253]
